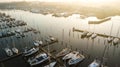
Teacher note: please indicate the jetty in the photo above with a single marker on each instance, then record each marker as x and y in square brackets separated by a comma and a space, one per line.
[100, 21]
[99, 34]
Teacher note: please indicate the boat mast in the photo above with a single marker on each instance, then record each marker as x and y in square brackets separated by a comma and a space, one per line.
[111, 29]
[118, 31]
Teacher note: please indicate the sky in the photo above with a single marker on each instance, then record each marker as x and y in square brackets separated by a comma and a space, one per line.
[82, 1]
[60, 0]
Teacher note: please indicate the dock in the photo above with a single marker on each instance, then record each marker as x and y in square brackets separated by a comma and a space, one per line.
[11, 57]
[100, 21]
[50, 43]
[52, 56]
[99, 34]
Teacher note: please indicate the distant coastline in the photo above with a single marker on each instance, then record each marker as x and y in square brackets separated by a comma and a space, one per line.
[62, 9]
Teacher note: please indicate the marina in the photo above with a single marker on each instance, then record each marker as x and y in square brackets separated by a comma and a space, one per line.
[33, 41]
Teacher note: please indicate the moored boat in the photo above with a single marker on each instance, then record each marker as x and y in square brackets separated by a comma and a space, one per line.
[8, 52]
[76, 59]
[40, 58]
[63, 52]
[52, 64]
[70, 55]
[31, 51]
[94, 36]
[95, 63]
[116, 40]
[15, 50]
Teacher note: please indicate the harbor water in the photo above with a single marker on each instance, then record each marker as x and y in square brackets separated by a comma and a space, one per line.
[62, 29]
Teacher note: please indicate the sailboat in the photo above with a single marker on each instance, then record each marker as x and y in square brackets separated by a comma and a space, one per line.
[110, 38]
[95, 63]
[52, 64]
[8, 52]
[14, 49]
[63, 52]
[94, 35]
[40, 58]
[89, 34]
[76, 59]
[116, 39]
[31, 51]
[84, 34]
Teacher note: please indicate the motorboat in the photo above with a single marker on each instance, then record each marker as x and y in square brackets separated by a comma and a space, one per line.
[89, 34]
[15, 50]
[8, 52]
[37, 43]
[52, 38]
[17, 35]
[30, 51]
[70, 55]
[109, 39]
[76, 59]
[84, 34]
[116, 40]
[94, 36]
[95, 63]
[40, 58]
[63, 52]
[52, 64]
[18, 30]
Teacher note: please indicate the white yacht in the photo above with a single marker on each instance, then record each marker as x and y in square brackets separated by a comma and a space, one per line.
[110, 39]
[52, 38]
[30, 51]
[37, 43]
[8, 52]
[52, 64]
[116, 40]
[76, 59]
[89, 34]
[94, 36]
[70, 55]
[15, 50]
[84, 34]
[40, 58]
[95, 63]
[63, 52]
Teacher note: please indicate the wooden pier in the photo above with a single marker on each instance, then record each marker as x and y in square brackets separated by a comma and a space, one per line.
[52, 56]
[101, 35]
